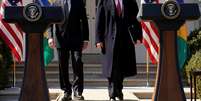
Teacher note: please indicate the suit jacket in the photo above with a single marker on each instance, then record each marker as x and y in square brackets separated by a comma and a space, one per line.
[113, 31]
[74, 29]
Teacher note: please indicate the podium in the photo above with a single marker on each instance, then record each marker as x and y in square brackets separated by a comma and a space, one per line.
[34, 20]
[169, 17]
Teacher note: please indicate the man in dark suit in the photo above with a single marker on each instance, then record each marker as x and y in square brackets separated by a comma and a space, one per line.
[70, 37]
[117, 30]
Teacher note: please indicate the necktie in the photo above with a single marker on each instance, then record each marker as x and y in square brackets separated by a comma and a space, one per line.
[118, 7]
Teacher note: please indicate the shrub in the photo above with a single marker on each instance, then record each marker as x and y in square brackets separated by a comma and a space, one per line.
[195, 63]
[194, 60]
[194, 40]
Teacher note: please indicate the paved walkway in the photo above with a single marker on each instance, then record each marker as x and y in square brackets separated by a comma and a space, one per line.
[94, 94]
[130, 93]
[101, 94]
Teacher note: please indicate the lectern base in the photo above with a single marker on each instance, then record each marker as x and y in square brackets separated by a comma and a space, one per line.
[34, 86]
[168, 86]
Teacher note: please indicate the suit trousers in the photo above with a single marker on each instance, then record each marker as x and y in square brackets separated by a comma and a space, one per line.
[115, 84]
[77, 67]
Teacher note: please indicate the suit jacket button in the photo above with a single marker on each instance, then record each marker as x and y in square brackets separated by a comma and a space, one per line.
[112, 38]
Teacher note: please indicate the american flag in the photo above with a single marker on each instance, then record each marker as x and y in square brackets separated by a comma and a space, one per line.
[11, 33]
[151, 36]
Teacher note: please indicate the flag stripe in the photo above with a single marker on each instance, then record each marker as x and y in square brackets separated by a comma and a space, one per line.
[17, 29]
[152, 57]
[150, 46]
[151, 50]
[157, 1]
[153, 27]
[2, 9]
[9, 36]
[151, 36]
[11, 33]
[10, 44]
[20, 30]
[151, 40]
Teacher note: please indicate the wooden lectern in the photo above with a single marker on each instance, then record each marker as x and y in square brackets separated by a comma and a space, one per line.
[169, 17]
[34, 20]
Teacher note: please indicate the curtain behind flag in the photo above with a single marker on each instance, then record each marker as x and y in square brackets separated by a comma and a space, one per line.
[48, 52]
[11, 33]
[182, 48]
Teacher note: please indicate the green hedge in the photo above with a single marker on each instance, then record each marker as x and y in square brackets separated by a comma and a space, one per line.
[5, 65]
[194, 61]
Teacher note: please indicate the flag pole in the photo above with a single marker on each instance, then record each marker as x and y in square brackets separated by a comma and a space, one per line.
[14, 71]
[147, 67]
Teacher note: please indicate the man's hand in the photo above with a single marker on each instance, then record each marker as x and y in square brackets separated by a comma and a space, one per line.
[85, 45]
[138, 42]
[99, 45]
[51, 43]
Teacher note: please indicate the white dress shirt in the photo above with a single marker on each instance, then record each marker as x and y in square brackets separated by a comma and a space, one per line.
[69, 5]
[121, 3]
